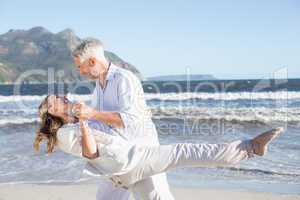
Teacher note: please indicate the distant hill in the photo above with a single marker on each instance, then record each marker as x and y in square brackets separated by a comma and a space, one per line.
[182, 77]
[38, 48]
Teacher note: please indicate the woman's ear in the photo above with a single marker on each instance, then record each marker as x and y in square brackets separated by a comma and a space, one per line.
[51, 109]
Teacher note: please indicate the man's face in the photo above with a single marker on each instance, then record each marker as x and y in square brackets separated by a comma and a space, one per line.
[88, 68]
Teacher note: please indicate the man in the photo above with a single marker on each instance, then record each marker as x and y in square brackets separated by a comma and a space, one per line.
[119, 107]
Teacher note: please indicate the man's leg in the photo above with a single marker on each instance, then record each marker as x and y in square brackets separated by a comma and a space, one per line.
[153, 188]
[107, 191]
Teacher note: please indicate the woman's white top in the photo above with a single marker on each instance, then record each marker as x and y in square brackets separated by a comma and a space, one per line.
[116, 155]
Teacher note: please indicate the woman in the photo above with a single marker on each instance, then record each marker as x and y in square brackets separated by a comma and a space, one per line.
[126, 163]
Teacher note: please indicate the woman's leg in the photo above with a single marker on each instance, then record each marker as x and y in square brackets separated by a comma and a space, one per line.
[165, 157]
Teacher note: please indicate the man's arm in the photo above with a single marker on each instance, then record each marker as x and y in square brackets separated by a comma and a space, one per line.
[133, 109]
[110, 118]
[132, 106]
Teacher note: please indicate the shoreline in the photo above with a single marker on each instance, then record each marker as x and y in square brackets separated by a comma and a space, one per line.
[88, 192]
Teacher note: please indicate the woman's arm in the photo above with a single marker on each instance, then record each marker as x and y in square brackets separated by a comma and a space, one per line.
[89, 146]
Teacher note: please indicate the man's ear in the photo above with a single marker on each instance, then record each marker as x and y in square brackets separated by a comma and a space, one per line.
[76, 60]
[92, 61]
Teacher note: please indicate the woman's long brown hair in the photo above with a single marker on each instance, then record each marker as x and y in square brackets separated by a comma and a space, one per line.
[48, 128]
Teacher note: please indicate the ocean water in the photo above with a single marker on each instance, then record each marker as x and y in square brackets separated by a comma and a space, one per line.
[186, 116]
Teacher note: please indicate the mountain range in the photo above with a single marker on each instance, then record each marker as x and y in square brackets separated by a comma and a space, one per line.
[38, 48]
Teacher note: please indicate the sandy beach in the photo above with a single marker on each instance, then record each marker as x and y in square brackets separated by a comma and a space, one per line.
[87, 192]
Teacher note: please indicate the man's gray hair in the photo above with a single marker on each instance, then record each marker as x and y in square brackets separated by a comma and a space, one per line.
[89, 47]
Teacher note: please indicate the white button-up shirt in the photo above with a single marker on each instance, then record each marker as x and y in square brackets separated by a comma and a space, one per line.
[124, 94]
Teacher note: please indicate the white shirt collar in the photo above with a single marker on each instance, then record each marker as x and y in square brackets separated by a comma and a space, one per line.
[111, 71]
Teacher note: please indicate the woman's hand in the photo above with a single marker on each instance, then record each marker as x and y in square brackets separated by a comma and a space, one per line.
[82, 111]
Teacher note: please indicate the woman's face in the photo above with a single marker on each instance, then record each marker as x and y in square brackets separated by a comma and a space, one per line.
[58, 105]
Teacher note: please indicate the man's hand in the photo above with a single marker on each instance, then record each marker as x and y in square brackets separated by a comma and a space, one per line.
[83, 111]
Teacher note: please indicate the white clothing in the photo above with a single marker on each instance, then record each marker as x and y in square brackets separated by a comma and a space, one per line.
[126, 163]
[124, 94]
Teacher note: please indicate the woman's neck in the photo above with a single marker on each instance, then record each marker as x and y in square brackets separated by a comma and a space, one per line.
[70, 119]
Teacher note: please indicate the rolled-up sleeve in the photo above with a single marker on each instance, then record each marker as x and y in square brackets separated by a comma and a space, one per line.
[132, 105]
[69, 140]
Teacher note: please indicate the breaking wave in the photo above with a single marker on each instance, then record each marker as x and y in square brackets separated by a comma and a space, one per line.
[225, 96]
[177, 96]
[250, 115]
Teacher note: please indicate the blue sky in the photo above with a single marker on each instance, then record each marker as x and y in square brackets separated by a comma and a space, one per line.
[229, 39]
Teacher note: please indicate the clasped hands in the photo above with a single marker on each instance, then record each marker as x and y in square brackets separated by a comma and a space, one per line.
[82, 111]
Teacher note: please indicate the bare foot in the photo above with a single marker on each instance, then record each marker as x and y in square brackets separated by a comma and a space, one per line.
[260, 142]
